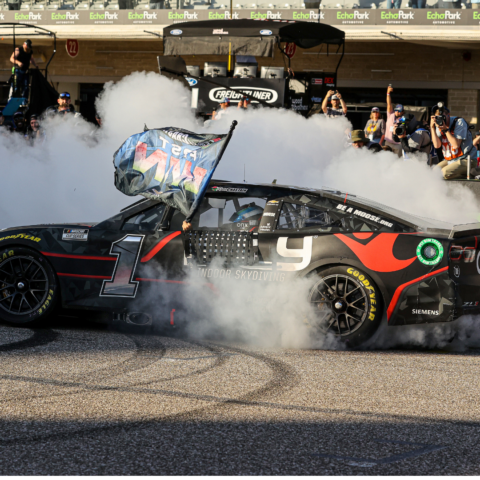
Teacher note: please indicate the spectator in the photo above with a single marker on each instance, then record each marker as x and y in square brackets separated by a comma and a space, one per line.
[394, 4]
[223, 107]
[2, 118]
[246, 102]
[393, 117]
[359, 140]
[453, 135]
[22, 62]
[64, 105]
[35, 132]
[334, 111]
[375, 127]
[240, 104]
[418, 3]
[416, 139]
[98, 119]
[475, 4]
[19, 123]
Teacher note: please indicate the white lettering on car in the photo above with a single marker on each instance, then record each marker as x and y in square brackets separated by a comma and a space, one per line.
[305, 254]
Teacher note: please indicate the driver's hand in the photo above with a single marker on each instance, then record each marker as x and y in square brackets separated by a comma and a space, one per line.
[330, 93]
[186, 226]
[389, 89]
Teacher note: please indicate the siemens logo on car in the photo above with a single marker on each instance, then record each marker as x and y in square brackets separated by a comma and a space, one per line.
[176, 32]
[265, 32]
[425, 312]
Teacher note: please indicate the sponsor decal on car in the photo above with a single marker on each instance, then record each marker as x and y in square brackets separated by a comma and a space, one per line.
[176, 32]
[417, 311]
[430, 252]
[219, 31]
[470, 304]
[367, 216]
[456, 271]
[273, 202]
[8, 254]
[191, 81]
[268, 214]
[266, 32]
[230, 189]
[75, 234]
[23, 236]
[46, 303]
[239, 274]
[373, 301]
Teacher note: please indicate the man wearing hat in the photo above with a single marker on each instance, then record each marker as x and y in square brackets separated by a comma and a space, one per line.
[22, 61]
[334, 111]
[359, 140]
[394, 116]
[224, 104]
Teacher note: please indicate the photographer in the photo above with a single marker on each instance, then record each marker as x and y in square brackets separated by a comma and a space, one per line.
[415, 139]
[453, 135]
[334, 111]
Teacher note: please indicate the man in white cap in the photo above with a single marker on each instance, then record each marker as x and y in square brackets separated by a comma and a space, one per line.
[334, 111]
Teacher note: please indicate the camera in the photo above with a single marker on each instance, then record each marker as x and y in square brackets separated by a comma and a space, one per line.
[440, 119]
[401, 127]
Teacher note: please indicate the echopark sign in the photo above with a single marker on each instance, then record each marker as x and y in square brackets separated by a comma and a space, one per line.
[254, 93]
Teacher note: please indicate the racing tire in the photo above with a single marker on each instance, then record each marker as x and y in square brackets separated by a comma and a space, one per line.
[28, 287]
[347, 304]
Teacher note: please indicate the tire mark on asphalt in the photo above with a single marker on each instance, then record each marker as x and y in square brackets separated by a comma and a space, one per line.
[39, 338]
[219, 361]
[283, 376]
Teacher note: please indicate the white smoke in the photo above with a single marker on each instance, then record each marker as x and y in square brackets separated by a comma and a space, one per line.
[69, 178]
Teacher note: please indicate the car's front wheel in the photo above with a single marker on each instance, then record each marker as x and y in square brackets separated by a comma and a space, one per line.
[28, 286]
[347, 303]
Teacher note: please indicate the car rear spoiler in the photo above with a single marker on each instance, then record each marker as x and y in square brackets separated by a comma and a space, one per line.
[465, 230]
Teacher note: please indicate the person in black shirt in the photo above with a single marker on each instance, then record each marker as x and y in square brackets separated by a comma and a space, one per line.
[64, 106]
[22, 61]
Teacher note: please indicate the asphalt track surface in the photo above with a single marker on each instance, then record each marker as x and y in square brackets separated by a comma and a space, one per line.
[78, 398]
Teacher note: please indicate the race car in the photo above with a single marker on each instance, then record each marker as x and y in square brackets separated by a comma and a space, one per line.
[364, 261]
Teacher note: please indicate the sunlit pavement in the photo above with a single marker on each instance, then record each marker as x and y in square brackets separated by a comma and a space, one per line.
[80, 398]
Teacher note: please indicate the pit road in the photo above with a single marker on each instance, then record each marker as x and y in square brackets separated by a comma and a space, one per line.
[87, 399]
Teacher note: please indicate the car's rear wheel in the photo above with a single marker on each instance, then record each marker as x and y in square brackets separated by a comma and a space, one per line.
[28, 286]
[346, 303]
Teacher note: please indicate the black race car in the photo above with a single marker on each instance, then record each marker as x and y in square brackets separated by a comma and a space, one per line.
[363, 259]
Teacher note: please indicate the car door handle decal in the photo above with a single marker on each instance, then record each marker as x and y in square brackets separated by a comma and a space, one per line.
[159, 246]
[122, 284]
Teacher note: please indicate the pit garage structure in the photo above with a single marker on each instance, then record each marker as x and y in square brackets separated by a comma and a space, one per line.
[243, 40]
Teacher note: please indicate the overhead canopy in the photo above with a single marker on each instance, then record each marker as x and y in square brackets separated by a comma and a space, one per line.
[245, 37]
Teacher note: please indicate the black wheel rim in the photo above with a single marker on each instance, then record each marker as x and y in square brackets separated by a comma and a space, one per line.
[340, 303]
[23, 285]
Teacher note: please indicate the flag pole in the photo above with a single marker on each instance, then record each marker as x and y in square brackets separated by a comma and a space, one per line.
[187, 222]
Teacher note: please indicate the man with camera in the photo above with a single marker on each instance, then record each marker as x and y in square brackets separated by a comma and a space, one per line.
[414, 138]
[455, 138]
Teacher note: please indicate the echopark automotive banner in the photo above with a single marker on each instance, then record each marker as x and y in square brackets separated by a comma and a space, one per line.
[168, 164]
[435, 17]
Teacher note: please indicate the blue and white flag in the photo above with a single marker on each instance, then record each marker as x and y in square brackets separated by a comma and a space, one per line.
[169, 164]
